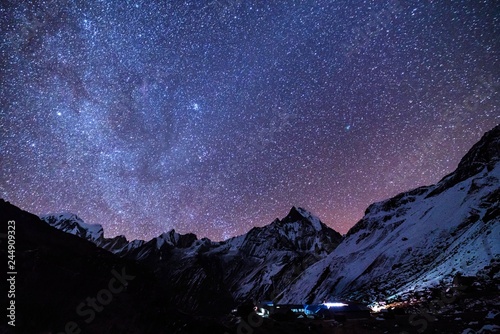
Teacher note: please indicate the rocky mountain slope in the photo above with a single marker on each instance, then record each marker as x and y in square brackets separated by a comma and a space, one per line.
[65, 284]
[214, 276]
[417, 239]
[403, 246]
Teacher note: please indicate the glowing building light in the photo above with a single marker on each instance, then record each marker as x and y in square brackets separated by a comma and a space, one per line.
[334, 304]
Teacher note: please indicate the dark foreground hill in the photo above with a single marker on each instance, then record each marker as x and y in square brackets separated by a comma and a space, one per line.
[426, 260]
[65, 283]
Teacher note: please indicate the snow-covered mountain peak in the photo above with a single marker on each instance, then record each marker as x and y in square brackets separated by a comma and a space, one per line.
[299, 231]
[486, 152]
[483, 156]
[71, 223]
[417, 239]
[298, 214]
[67, 216]
[175, 239]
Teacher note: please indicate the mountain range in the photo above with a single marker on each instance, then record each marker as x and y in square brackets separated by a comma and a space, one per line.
[254, 266]
[418, 238]
[412, 243]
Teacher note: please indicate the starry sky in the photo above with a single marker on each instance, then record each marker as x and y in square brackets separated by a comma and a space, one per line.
[213, 117]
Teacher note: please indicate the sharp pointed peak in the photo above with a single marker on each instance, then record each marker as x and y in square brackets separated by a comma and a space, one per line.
[301, 214]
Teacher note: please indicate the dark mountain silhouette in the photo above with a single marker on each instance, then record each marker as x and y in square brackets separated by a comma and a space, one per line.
[402, 250]
[57, 272]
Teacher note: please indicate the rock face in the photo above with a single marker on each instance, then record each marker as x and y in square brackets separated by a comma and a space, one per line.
[418, 238]
[58, 273]
[484, 154]
[72, 224]
[410, 242]
[215, 276]
[261, 263]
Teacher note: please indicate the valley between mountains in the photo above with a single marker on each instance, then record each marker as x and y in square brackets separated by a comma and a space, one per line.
[400, 259]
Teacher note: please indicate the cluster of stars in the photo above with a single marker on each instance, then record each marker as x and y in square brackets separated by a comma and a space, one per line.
[216, 116]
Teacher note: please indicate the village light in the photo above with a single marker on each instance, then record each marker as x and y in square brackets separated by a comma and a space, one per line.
[334, 304]
[377, 307]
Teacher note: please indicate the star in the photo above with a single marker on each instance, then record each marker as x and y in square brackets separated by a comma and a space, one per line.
[213, 117]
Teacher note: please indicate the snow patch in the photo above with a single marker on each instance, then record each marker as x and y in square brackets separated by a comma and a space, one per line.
[315, 221]
[71, 223]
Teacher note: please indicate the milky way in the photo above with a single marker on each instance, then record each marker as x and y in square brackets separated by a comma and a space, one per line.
[216, 116]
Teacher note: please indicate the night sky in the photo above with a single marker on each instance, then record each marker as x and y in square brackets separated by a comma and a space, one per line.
[213, 117]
